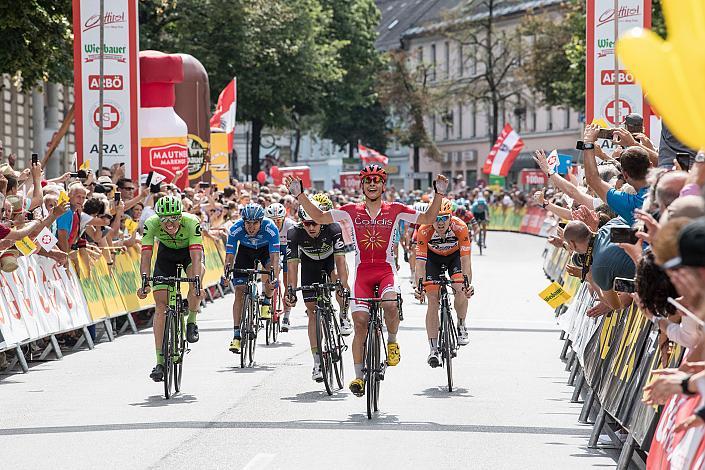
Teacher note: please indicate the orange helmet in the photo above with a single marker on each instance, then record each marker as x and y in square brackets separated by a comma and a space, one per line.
[373, 170]
[446, 207]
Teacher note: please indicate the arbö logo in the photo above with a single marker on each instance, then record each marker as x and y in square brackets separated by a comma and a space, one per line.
[109, 20]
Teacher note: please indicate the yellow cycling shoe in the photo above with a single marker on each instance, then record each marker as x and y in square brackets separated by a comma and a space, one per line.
[266, 312]
[357, 387]
[393, 354]
[235, 346]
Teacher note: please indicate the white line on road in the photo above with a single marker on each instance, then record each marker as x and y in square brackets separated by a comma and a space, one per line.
[259, 462]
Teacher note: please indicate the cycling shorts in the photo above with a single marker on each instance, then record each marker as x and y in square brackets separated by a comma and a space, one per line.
[282, 257]
[434, 265]
[311, 273]
[167, 260]
[480, 217]
[247, 258]
[369, 276]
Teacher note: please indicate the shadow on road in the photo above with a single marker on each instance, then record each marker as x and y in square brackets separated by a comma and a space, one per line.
[156, 401]
[280, 344]
[247, 370]
[442, 392]
[316, 396]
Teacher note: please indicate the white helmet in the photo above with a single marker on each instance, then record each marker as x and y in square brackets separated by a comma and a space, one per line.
[275, 211]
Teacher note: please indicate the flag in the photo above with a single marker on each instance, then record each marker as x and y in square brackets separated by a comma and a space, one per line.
[47, 240]
[552, 160]
[554, 295]
[224, 115]
[369, 155]
[26, 246]
[503, 153]
[86, 165]
[63, 197]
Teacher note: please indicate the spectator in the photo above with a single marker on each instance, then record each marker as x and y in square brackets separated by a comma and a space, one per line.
[68, 224]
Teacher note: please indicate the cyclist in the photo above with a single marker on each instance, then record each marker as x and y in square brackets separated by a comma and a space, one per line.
[277, 212]
[481, 211]
[446, 242]
[466, 216]
[180, 242]
[252, 239]
[317, 248]
[373, 222]
[411, 236]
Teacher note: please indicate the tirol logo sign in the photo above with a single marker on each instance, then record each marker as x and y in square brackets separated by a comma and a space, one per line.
[110, 20]
[110, 52]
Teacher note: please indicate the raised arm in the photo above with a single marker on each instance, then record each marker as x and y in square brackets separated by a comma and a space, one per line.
[592, 175]
[296, 189]
[561, 183]
[441, 188]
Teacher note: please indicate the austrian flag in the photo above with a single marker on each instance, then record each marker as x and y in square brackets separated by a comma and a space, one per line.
[503, 153]
[369, 155]
[224, 115]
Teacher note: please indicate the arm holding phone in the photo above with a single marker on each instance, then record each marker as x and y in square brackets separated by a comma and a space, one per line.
[592, 175]
[561, 183]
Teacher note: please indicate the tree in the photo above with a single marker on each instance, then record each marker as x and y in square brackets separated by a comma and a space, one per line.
[407, 95]
[559, 44]
[351, 111]
[37, 41]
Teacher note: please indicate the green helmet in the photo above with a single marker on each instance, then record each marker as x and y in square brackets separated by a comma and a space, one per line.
[167, 206]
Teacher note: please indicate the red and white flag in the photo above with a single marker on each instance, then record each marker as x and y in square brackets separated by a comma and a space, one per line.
[503, 153]
[369, 155]
[224, 115]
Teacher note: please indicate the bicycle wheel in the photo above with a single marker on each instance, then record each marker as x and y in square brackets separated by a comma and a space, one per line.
[336, 347]
[378, 364]
[244, 332]
[480, 240]
[370, 375]
[252, 343]
[324, 353]
[268, 326]
[180, 351]
[277, 313]
[168, 351]
[448, 347]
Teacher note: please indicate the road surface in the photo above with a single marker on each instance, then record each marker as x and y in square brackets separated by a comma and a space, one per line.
[511, 410]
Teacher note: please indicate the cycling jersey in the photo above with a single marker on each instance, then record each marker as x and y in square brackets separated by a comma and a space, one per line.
[467, 217]
[328, 242]
[479, 206]
[267, 236]
[283, 233]
[188, 235]
[456, 239]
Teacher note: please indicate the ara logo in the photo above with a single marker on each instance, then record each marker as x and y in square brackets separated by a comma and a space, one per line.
[110, 149]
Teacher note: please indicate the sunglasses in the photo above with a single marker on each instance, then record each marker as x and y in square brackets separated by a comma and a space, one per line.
[442, 218]
[309, 223]
[372, 180]
[252, 222]
[131, 188]
[172, 219]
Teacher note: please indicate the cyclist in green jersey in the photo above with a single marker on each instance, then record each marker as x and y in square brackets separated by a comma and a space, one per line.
[180, 243]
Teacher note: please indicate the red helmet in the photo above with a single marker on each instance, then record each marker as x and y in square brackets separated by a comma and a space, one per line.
[373, 170]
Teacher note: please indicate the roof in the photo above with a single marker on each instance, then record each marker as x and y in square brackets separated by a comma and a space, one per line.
[408, 18]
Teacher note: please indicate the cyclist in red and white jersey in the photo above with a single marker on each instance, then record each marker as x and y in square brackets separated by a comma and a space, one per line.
[373, 223]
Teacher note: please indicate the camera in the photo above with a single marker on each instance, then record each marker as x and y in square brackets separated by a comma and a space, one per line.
[622, 284]
[623, 234]
[605, 134]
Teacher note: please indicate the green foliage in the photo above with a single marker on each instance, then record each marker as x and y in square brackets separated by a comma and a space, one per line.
[37, 41]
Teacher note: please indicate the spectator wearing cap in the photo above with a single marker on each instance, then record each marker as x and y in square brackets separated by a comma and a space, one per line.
[635, 165]
[605, 261]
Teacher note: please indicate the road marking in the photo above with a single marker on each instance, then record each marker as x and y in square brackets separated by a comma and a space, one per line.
[259, 461]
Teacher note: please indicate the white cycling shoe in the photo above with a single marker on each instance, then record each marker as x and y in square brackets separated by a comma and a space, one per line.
[346, 327]
[317, 375]
[463, 339]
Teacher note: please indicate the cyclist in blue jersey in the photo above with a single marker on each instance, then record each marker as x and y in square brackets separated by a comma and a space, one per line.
[252, 239]
[481, 212]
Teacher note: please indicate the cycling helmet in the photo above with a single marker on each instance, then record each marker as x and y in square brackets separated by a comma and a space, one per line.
[373, 170]
[252, 211]
[446, 207]
[303, 215]
[275, 211]
[167, 206]
[323, 201]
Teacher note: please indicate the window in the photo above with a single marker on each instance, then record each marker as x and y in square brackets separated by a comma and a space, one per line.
[460, 121]
[460, 59]
[448, 122]
[433, 62]
[473, 121]
[566, 124]
[419, 56]
[549, 119]
[474, 60]
[446, 66]
[533, 120]
[433, 127]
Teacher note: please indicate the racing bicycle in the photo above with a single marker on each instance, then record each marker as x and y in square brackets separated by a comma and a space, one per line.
[374, 367]
[272, 325]
[329, 341]
[174, 346]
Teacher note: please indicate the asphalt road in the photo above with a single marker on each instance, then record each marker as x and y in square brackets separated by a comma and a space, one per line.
[511, 410]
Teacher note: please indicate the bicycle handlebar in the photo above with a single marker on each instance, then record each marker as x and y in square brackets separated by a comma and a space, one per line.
[172, 281]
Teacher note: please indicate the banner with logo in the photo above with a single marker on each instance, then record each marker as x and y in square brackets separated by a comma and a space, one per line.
[350, 180]
[220, 161]
[602, 103]
[118, 116]
[303, 172]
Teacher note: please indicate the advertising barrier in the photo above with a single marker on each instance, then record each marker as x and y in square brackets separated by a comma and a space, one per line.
[42, 298]
[530, 220]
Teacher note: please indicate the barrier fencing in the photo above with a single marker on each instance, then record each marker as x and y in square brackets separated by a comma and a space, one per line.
[42, 299]
[610, 359]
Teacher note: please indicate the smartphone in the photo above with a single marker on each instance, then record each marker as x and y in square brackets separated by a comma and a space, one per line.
[683, 160]
[623, 234]
[74, 174]
[204, 184]
[622, 284]
[605, 134]
[118, 196]
[149, 178]
[155, 188]
[562, 224]
[81, 174]
[35, 158]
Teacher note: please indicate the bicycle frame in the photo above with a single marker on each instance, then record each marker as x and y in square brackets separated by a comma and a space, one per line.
[249, 319]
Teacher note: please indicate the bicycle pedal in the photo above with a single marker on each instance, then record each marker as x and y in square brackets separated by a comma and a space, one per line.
[380, 373]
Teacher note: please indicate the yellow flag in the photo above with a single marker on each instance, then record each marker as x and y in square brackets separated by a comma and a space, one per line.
[554, 295]
[26, 246]
[131, 225]
[63, 197]
[86, 165]
[600, 122]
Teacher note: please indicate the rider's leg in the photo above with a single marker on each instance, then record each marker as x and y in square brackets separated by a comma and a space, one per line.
[360, 319]
[391, 315]
[460, 304]
[194, 302]
[311, 312]
[161, 298]
[432, 322]
[237, 309]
